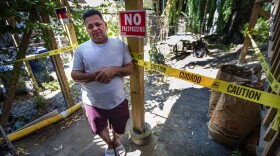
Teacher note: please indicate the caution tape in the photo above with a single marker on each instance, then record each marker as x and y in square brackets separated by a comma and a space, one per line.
[49, 53]
[274, 84]
[276, 124]
[230, 88]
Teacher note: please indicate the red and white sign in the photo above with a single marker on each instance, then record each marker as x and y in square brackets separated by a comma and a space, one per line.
[133, 23]
[61, 14]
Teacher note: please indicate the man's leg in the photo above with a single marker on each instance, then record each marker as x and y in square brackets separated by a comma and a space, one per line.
[119, 148]
[98, 124]
[116, 139]
[118, 120]
[106, 137]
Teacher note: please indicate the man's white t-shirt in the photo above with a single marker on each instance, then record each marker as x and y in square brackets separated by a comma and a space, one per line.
[90, 57]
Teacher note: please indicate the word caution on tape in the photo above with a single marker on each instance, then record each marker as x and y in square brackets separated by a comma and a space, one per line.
[230, 88]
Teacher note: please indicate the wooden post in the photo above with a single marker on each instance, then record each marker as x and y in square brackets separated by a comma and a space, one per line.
[68, 27]
[57, 63]
[253, 20]
[140, 131]
[136, 45]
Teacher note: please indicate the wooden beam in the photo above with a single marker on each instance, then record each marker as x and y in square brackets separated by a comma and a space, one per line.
[136, 45]
[16, 71]
[276, 13]
[271, 147]
[269, 116]
[252, 23]
[57, 63]
[68, 27]
[269, 134]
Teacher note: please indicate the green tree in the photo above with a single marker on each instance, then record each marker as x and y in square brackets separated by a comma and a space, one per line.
[77, 11]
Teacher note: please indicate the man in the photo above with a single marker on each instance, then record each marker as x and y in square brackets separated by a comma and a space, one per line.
[100, 65]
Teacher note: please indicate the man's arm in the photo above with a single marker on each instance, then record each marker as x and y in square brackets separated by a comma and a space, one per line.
[82, 77]
[124, 70]
[109, 72]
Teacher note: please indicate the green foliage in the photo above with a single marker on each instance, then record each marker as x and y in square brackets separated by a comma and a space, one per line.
[211, 12]
[224, 8]
[172, 11]
[19, 11]
[260, 31]
[40, 101]
[156, 56]
[236, 153]
[52, 85]
[19, 121]
[112, 22]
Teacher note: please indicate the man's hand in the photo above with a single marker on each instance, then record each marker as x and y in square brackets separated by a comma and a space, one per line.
[105, 75]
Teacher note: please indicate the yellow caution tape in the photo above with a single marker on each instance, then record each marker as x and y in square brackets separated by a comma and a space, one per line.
[276, 124]
[49, 53]
[139, 56]
[233, 89]
[274, 84]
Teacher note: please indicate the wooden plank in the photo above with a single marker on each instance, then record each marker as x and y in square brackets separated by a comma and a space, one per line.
[58, 65]
[276, 19]
[276, 71]
[269, 116]
[252, 23]
[262, 143]
[68, 27]
[275, 13]
[275, 48]
[272, 145]
[136, 45]
[275, 31]
[269, 134]
[275, 58]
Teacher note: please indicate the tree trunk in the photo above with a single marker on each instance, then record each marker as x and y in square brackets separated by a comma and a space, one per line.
[204, 17]
[16, 71]
[241, 13]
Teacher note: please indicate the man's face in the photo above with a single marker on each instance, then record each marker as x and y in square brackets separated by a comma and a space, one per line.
[96, 29]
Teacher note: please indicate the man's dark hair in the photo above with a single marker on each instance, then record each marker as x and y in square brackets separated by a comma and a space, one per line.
[90, 13]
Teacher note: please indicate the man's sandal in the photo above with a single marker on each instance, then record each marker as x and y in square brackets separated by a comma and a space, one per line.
[120, 150]
[109, 152]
